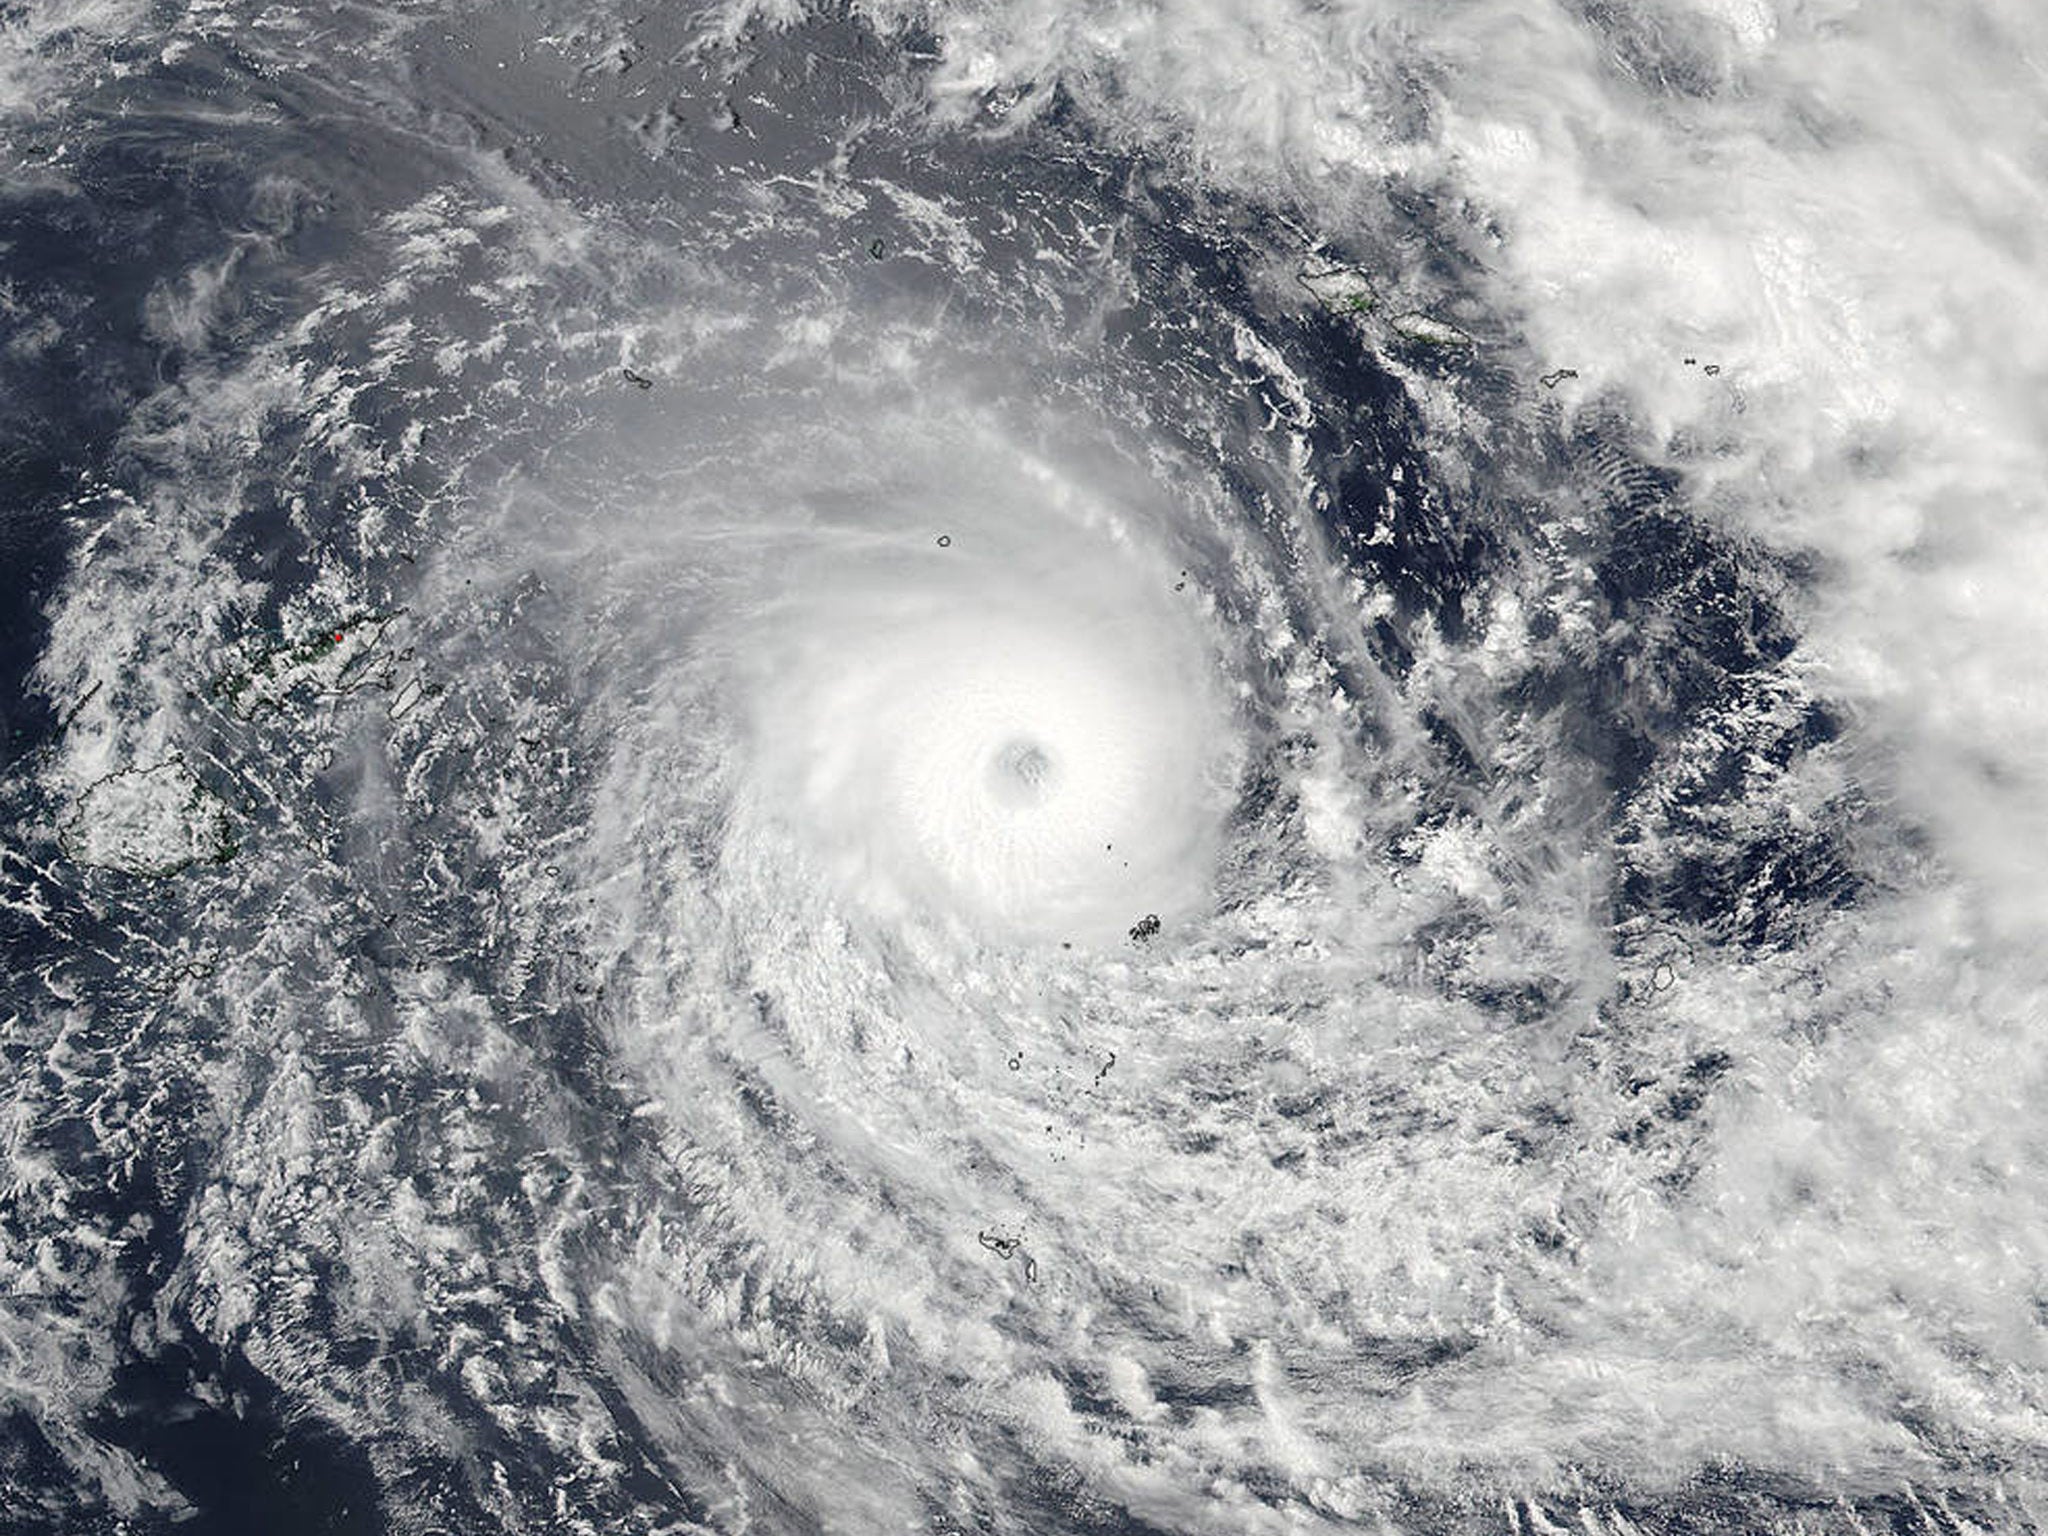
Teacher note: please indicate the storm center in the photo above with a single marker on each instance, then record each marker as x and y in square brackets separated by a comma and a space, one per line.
[1022, 775]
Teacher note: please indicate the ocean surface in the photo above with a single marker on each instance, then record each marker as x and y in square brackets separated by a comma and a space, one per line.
[1132, 767]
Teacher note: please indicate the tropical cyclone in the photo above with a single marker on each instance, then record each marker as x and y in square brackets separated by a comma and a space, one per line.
[1060, 848]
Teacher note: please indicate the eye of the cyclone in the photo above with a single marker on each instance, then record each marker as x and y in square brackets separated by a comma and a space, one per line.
[1021, 776]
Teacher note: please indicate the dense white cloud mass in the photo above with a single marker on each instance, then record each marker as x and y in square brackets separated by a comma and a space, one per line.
[974, 695]
[1179, 766]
